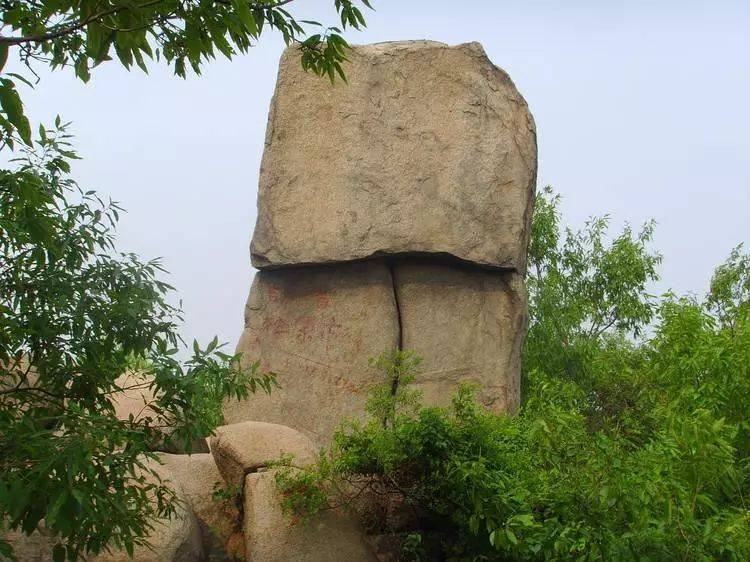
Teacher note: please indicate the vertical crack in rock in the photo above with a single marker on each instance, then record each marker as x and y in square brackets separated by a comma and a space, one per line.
[400, 338]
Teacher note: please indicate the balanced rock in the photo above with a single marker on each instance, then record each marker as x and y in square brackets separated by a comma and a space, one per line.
[241, 448]
[272, 536]
[429, 149]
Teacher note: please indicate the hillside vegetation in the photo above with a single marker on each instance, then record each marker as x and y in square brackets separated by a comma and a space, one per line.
[632, 441]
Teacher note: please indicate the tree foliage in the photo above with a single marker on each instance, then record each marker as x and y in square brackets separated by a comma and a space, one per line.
[185, 33]
[75, 315]
[631, 443]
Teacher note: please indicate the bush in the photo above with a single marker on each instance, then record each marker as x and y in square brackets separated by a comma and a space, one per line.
[626, 446]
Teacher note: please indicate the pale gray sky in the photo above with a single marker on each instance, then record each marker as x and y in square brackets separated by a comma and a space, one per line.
[641, 110]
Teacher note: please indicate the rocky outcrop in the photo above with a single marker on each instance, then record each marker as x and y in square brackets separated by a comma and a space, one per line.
[428, 149]
[393, 212]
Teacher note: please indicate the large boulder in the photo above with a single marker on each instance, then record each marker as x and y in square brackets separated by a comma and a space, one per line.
[316, 328]
[241, 448]
[468, 325]
[428, 149]
[271, 536]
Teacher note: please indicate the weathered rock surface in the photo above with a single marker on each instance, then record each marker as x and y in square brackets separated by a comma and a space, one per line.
[468, 325]
[245, 447]
[272, 537]
[428, 149]
[219, 520]
[36, 547]
[316, 328]
[174, 540]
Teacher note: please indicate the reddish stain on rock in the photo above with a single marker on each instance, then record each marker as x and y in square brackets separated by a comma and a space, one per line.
[274, 295]
[322, 301]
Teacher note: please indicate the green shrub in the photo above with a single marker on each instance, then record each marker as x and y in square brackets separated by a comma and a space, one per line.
[75, 315]
[626, 447]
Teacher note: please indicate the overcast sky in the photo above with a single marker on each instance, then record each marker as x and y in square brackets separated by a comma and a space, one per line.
[642, 111]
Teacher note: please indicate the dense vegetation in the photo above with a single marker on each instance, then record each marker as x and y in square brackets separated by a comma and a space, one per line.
[632, 441]
[75, 315]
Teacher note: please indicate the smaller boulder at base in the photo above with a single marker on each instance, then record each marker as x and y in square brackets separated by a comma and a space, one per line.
[219, 519]
[271, 536]
[177, 539]
[241, 448]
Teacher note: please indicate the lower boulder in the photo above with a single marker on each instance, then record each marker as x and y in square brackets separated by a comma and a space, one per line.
[219, 518]
[175, 539]
[316, 328]
[271, 536]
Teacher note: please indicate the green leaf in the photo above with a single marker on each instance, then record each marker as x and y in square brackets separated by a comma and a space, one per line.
[11, 103]
[58, 553]
[246, 16]
[3, 56]
[82, 69]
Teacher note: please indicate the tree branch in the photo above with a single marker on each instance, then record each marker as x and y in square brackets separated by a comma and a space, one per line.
[73, 27]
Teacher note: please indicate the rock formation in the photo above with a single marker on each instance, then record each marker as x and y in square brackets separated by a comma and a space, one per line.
[393, 211]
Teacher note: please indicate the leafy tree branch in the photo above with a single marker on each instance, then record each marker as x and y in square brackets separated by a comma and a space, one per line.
[66, 34]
